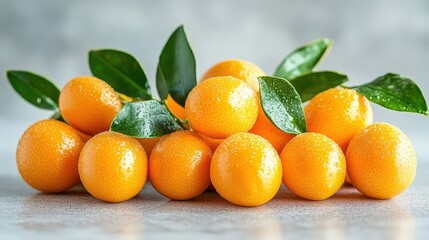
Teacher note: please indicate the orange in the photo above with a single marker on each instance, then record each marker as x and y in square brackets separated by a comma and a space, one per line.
[212, 142]
[314, 167]
[221, 106]
[47, 156]
[244, 70]
[381, 161]
[89, 104]
[179, 166]
[148, 144]
[264, 128]
[175, 108]
[113, 167]
[339, 114]
[246, 170]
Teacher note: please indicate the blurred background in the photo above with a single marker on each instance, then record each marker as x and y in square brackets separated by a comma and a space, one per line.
[52, 38]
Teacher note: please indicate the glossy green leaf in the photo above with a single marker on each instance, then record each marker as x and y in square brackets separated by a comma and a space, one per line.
[57, 116]
[395, 92]
[304, 59]
[282, 104]
[310, 84]
[161, 85]
[36, 89]
[121, 71]
[177, 66]
[145, 119]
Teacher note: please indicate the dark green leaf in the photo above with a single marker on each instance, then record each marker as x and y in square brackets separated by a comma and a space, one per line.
[161, 85]
[282, 105]
[36, 89]
[303, 59]
[177, 66]
[309, 85]
[121, 71]
[395, 92]
[145, 119]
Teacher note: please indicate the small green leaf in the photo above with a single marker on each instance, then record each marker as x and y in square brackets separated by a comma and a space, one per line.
[177, 66]
[309, 85]
[36, 89]
[161, 85]
[121, 71]
[282, 104]
[395, 92]
[145, 119]
[303, 59]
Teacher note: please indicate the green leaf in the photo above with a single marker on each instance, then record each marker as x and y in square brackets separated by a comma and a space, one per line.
[395, 92]
[145, 119]
[303, 59]
[177, 66]
[36, 89]
[309, 85]
[161, 85]
[121, 71]
[282, 104]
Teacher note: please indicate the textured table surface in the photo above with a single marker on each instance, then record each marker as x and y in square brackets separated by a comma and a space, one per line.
[27, 214]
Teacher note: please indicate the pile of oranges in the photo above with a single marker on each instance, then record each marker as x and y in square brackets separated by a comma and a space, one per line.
[231, 146]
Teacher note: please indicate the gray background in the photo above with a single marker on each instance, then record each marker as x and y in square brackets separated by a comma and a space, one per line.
[52, 38]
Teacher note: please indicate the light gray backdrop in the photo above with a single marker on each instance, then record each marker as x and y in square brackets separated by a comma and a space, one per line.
[52, 38]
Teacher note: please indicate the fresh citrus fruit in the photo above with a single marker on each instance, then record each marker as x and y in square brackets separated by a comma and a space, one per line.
[339, 114]
[221, 106]
[244, 70]
[264, 128]
[89, 104]
[175, 108]
[179, 166]
[148, 144]
[314, 166]
[212, 142]
[47, 156]
[381, 161]
[246, 170]
[113, 167]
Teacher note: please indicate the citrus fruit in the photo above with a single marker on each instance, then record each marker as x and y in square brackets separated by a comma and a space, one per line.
[246, 170]
[148, 144]
[381, 161]
[314, 167]
[221, 106]
[179, 166]
[89, 104]
[47, 156]
[266, 129]
[175, 108]
[213, 143]
[244, 70]
[113, 167]
[339, 114]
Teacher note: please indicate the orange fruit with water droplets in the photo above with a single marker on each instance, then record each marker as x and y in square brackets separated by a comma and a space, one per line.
[221, 106]
[314, 167]
[266, 129]
[381, 161]
[179, 166]
[244, 70]
[89, 104]
[47, 156]
[339, 114]
[212, 142]
[175, 108]
[246, 170]
[113, 167]
[148, 144]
